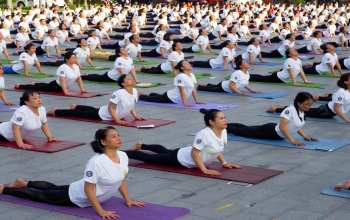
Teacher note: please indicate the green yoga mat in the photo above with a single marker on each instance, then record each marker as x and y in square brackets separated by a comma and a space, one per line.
[317, 75]
[198, 76]
[314, 85]
[146, 63]
[35, 75]
[200, 52]
[97, 68]
[6, 62]
[116, 84]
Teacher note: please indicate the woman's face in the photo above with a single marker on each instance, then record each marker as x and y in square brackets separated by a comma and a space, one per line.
[83, 42]
[305, 105]
[72, 59]
[230, 45]
[123, 52]
[179, 46]
[186, 66]
[32, 50]
[34, 101]
[4, 26]
[53, 33]
[128, 81]
[219, 122]
[113, 140]
[244, 65]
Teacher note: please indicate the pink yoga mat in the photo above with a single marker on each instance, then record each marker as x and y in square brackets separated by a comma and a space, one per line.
[78, 93]
[149, 212]
[221, 107]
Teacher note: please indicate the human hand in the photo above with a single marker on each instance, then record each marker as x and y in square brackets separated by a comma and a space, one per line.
[230, 166]
[244, 94]
[140, 118]
[25, 146]
[121, 122]
[70, 94]
[85, 91]
[108, 214]
[9, 103]
[297, 84]
[212, 172]
[199, 102]
[188, 105]
[42, 73]
[310, 138]
[135, 203]
[298, 143]
[256, 91]
[52, 139]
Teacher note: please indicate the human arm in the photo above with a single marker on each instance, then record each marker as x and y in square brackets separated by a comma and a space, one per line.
[81, 85]
[3, 98]
[195, 96]
[283, 127]
[133, 112]
[18, 137]
[183, 96]
[58, 51]
[112, 111]
[38, 66]
[314, 49]
[252, 90]
[198, 160]
[139, 57]
[123, 189]
[338, 111]
[251, 58]
[7, 54]
[173, 64]
[100, 48]
[307, 138]
[64, 87]
[302, 75]
[224, 64]
[26, 68]
[225, 164]
[45, 128]
[133, 74]
[162, 51]
[333, 70]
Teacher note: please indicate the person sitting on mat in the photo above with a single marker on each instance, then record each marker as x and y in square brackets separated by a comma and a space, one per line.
[26, 120]
[50, 42]
[67, 74]
[2, 86]
[202, 43]
[239, 79]
[314, 45]
[121, 103]
[94, 42]
[280, 52]
[338, 106]
[329, 60]
[253, 51]
[75, 29]
[291, 122]
[26, 61]
[62, 34]
[208, 145]
[292, 67]
[226, 56]
[123, 64]
[169, 66]
[163, 47]
[185, 85]
[109, 165]
[134, 48]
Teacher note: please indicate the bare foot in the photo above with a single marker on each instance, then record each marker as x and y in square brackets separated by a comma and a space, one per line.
[72, 106]
[137, 146]
[326, 94]
[18, 183]
[1, 188]
[32, 83]
[202, 84]
[86, 74]
[280, 106]
[340, 186]
[316, 97]
[272, 109]
[17, 86]
[51, 111]
[138, 69]
[308, 64]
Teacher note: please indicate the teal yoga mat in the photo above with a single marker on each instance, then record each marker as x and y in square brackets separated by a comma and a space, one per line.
[266, 95]
[342, 193]
[335, 119]
[198, 76]
[116, 84]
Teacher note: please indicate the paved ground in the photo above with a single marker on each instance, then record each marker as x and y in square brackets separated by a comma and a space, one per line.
[295, 194]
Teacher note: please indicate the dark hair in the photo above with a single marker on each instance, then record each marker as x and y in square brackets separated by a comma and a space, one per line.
[238, 63]
[60, 26]
[117, 51]
[28, 46]
[288, 52]
[49, 31]
[166, 36]
[261, 26]
[324, 47]
[301, 97]
[341, 82]
[289, 35]
[129, 29]
[179, 65]
[25, 96]
[251, 41]
[174, 45]
[100, 134]
[209, 115]
[121, 80]
[341, 29]
[316, 33]
[90, 32]
[225, 43]
[68, 55]
[79, 42]
[131, 38]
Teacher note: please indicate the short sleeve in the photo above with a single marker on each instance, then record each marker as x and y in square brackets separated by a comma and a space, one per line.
[234, 77]
[250, 49]
[115, 98]
[338, 97]
[286, 113]
[287, 64]
[118, 64]
[200, 140]
[23, 56]
[327, 58]
[89, 41]
[61, 72]
[18, 118]
[92, 173]
[178, 81]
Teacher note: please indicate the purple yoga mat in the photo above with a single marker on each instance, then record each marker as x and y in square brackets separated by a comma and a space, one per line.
[8, 108]
[149, 212]
[221, 107]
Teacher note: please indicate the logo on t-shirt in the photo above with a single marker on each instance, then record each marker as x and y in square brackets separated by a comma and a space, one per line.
[179, 81]
[62, 72]
[329, 59]
[289, 66]
[199, 141]
[119, 64]
[199, 42]
[19, 119]
[225, 143]
[236, 77]
[113, 97]
[23, 56]
[286, 112]
[340, 98]
[89, 173]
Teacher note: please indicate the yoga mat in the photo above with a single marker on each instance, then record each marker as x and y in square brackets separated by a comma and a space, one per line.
[185, 57]
[149, 212]
[35, 75]
[146, 63]
[8, 108]
[335, 119]
[221, 107]
[266, 95]
[342, 193]
[198, 76]
[323, 75]
[40, 56]
[268, 64]
[201, 53]
[41, 144]
[99, 52]
[97, 68]
[321, 145]
[132, 122]
[247, 174]
[77, 93]
[302, 57]
[141, 85]
[8, 62]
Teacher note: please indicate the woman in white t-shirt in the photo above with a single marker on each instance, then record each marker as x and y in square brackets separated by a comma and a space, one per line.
[225, 57]
[280, 52]
[123, 64]
[62, 34]
[93, 41]
[283, 34]
[292, 67]
[26, 120]
[162, 49]
[185, 83]
[329, 61]
[67, 74]
[253, 51]
[2, 86]
[341, 40]
[239, 79]
[264, 35]
[330, 31]
[22, 39]
[26, 61]
[291, 122]
[202, 43]
[53, 24]
[3, 49]
[314, 45]
[208, 145]
[49, 44]
[5, 32]
[75, 29]
[105, 174]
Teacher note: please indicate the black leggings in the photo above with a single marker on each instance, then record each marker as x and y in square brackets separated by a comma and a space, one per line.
[303, 50]
[152, 53]
[299, 37]
[310, 70]
[50, 87]
[273, 78]
[163, 156]
[275, 40]
[110, 46]
[154, 70]
[56, 63]
[322, 111]
[265, 131]
[40, 51]
[188, 50]
[341, 62]
[272, 54]
[11, 45]
[146, 34]
[203, 64]
[80, 111]
[222, 45]
[334, 44]
[41, 191]
[155, 97]
[184, 40]
[212, 88]
[98, 77]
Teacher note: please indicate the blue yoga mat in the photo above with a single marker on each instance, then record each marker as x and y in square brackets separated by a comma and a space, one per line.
[335, 119]
[342, 193]
[221, 107]
[266, 95]
[322, 144]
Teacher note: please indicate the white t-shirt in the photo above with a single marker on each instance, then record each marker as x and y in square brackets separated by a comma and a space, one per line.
[133, 50]
[342, 97]
[25, 118]
[219, 60]
[284, 32]
[338, 41]
[93, 42]
[239, 77]
[220, 28]
[22, 38]
[40, 29]
[194, 32]
[189, 83]
[48, 42]
[294, 124]
[265, 34]
[125, 103]
[70, 75]
[62, 36]
[19, 67]
[232, 38]
[2, 46]
[347, 62]
[81, 54]
[314, 42]
[5, 33]
[282, 49]
[323, 68]
[122, 43]
[2, 83]
[74, 29]
[166, 45]
[251, 49]
[208, 143]
[173, 57]
[106, 174]
[160, 34]
[289, 63]
[204, 41]
[126, 64]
